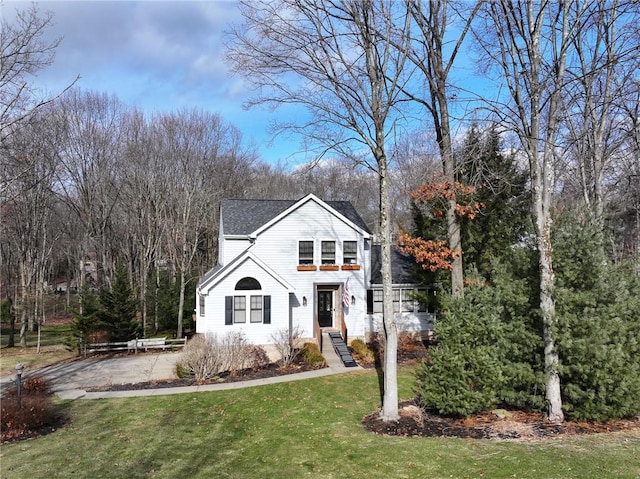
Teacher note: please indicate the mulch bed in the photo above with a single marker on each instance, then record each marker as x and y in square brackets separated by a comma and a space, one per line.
[516, 426]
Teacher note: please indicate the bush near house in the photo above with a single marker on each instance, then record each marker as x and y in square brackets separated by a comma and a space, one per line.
[312, 356]
[208, 356]
[364, 355]
[464, 371]
[288, 345]
[490, 351]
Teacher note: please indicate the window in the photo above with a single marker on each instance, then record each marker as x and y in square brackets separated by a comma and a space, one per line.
[305, 252]
[201, 305]
[247, 284]
[349, 252]
[235, 309]
[396, 300]
[410, 300]
[256, 309]
[377, 301]
[408, 297]
[328, 252]
[239, 309]
[422, 298]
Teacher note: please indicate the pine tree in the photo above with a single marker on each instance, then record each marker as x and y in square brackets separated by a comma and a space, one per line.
[119, 308]
[598, 307]
[85, 321]
[464, 372]
[502, 190]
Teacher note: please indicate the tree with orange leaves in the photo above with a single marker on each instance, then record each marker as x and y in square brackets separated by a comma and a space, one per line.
[434, 254]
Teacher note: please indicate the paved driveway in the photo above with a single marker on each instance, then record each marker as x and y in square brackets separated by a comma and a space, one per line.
[106, 370]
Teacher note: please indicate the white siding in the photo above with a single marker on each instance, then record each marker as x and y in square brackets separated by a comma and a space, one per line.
[407, 322]
[233, 248]
[257, 333]
[278, 247]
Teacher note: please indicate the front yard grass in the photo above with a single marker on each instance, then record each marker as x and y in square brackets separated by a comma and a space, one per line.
[52, 349]
[309, 428]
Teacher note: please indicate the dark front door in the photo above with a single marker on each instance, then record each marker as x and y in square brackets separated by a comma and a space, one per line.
[325, 309]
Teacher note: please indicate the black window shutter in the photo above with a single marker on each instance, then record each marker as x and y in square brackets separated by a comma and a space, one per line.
[228, 310]
[369, 301]
[267, 309]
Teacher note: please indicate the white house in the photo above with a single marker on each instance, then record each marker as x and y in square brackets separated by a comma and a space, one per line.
[309, 264]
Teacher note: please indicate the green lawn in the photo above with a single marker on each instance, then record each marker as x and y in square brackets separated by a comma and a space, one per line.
[305, 428]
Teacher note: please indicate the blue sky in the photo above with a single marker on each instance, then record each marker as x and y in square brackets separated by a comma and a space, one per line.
[158, 56]
[168, 55]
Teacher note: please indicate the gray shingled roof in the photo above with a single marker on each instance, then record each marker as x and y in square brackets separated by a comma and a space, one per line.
[242, 217]
[403, 266]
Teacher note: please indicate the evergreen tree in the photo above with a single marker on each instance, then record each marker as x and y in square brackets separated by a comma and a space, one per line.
[502, 190]
[464, 372]
[165, 302]
[119, 307]
[598, 306]
[85, 321]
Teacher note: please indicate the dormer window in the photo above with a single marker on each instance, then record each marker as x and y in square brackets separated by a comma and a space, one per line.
[328, 252]
[305, 252]
[349, 252]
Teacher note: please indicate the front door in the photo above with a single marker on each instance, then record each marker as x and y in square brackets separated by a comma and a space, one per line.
[325, 309]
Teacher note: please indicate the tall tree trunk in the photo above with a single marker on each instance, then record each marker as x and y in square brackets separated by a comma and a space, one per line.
[156, 306]
[181, 304]
[548, 312]
[390, 367]
[12, 323]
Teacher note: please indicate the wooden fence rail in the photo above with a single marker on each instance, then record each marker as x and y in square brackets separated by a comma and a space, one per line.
[135, 345]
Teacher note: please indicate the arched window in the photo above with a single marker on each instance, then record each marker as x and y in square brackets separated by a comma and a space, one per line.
[247, 284]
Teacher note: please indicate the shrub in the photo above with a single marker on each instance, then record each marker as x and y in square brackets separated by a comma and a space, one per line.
[363, 353]
[208, 356]
[463, 375]
[312, 356]
[287, 343]
[259, 357]
[599, 350]
[598, 307]
[85, 321]
[36, 409]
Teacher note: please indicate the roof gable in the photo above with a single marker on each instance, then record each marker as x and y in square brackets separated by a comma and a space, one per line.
[242, 217]
[217, 274]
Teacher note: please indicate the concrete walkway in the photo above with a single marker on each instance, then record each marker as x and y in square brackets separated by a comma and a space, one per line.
[70, 380]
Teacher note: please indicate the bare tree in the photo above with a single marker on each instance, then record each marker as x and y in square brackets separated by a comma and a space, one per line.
[27, 207]
[606, 61]
[90, 176]
[144, 192]
[204, 162]
[23, 53]
[434, 59]
[335, 59]
[530, 48]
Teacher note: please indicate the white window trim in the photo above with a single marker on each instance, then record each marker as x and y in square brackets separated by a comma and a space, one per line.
[252, 309]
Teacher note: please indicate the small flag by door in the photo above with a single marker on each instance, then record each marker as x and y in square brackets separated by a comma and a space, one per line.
[346, 295]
